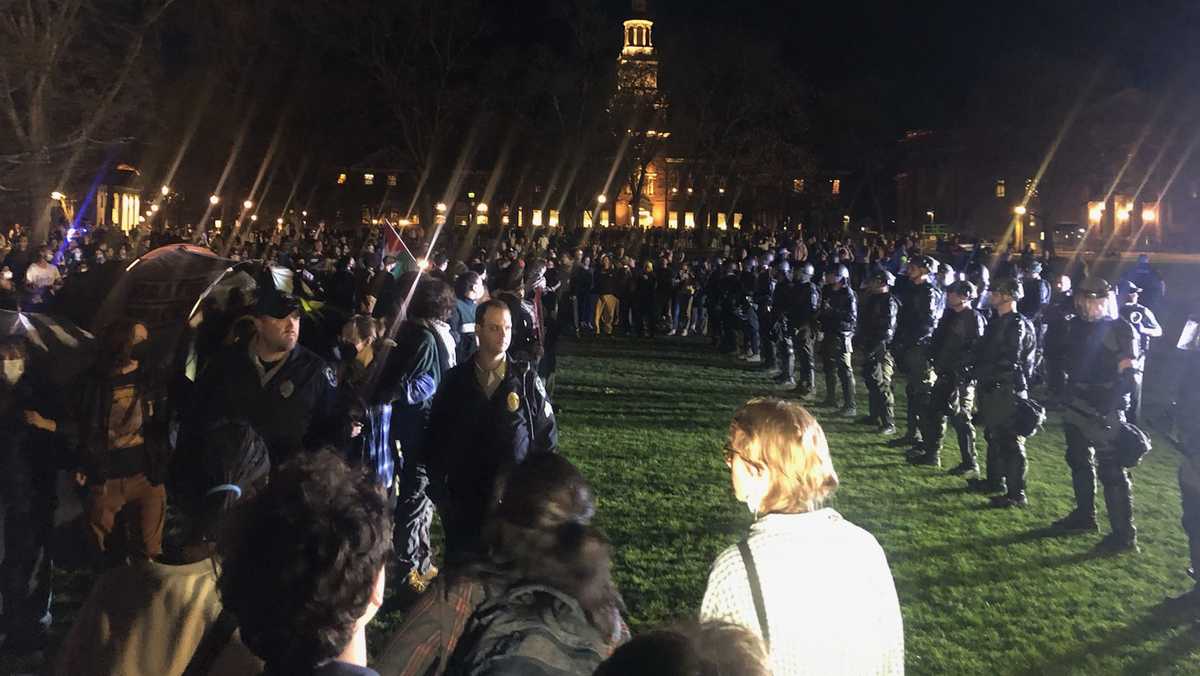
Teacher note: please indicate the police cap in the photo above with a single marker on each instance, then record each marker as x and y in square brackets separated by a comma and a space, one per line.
[273, 303]
[1127, 287]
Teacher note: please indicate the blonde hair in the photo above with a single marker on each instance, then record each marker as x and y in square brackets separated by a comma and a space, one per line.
[784, 437]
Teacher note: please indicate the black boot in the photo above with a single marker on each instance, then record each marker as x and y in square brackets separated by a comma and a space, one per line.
[1118, 498]
[1077, 522]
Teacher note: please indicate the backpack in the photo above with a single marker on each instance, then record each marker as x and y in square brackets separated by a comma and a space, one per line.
[528, 629]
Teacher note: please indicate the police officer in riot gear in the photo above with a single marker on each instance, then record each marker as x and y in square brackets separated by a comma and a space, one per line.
[957, 336]
[1033, 305]
[918, 317]
[1101, 374]
[877, 328]
[1001, 365]
[1146, 324]
[1056, 316]
[838, 318]
[977, 273]
[764, 296]
[797, 301]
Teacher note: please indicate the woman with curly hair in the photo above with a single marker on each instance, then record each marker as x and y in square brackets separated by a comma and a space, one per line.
[540, 601]
[816, 588]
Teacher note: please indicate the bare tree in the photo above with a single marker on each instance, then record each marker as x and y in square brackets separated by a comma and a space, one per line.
[70, 71]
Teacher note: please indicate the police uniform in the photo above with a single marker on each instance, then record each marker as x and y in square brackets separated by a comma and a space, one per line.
[876, 330]
[796, 304]
[918, 318]
[290, 403]
[1001, 367]
[1097, 397]
[953, 395]
[1037, 296]
[1146, 325]
[838, 318]
[764, 296]
[1056, 346]
[475, 438]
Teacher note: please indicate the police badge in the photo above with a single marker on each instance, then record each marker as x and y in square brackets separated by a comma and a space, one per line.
[514, 402]
[286, 389]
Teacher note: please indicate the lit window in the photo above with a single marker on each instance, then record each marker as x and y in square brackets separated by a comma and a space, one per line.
[737, 220]
[587, 219]
[368, 179]
[1001, 190]
[673, 220]
[721, 225]
[537, 218]
[650, 184]
[837, 186]
[554, 218]
[392, 180]
[604, 218]
[689, 220]
[797, 185]
[341, 179]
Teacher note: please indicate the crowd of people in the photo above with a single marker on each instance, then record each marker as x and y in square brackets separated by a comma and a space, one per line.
[246, 514]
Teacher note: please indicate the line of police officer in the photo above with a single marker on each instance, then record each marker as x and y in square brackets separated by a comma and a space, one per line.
[970, 356]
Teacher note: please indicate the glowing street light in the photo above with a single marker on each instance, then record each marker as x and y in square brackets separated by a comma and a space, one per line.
[154, 208]
[253, 217]
[304, 214]
[213, 200]
[482, 207]
[165, 190]
[601, 199]
[248, 205]
[57, 196]
[930, 215]
[1020, 210]
[279, 221]
[441, 207]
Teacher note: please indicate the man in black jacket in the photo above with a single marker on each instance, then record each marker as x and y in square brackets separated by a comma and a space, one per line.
[876, 330]
[489, 414]
[953, 395]
[918, 318]
[838, 317]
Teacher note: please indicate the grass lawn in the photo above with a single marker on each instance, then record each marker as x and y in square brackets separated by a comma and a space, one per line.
[982, 590]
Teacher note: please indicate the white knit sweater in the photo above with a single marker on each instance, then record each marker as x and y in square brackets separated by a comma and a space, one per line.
[830, 599]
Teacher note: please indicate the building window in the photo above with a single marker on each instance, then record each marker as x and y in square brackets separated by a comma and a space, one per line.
[737, 220]
[650, 183]
[604, 218]
[391, 180]
[554, 218]
[837, 186]
[587, 219]
[1001, 190]
[341, 179]
[673, 220]
[689, 220]
[797, 185]
[368, 179]
[721, 225]
[537, 218]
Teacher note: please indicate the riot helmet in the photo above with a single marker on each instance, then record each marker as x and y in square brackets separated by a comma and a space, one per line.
[1094, 299]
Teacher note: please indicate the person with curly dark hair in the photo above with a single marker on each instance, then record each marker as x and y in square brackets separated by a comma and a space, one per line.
[541, 600]
[411, 373]
[303, 568]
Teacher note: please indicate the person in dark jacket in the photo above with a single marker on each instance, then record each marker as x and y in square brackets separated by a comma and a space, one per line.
[953, 395]
[1034, 301]
[838, 318]
[877, 328]
[1002, 366]
[468, 290]
[280, 387]
[919, 315]
[645, 301]
[489, 415]
[410, 376]
[29, 496]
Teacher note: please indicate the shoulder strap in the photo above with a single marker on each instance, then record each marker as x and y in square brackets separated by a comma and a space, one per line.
[211, 644]
[760, 607]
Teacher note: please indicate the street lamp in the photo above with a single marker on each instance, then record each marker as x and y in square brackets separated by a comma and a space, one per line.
[601, 199]
[930, 215]
[248, 205]
[57, 196]
[278, 221]
[304, 214]
[154, 208]
[482, 207]
[253, 217]
[441, 207]
[165, 190]
[1020, 210]
[213, 200]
